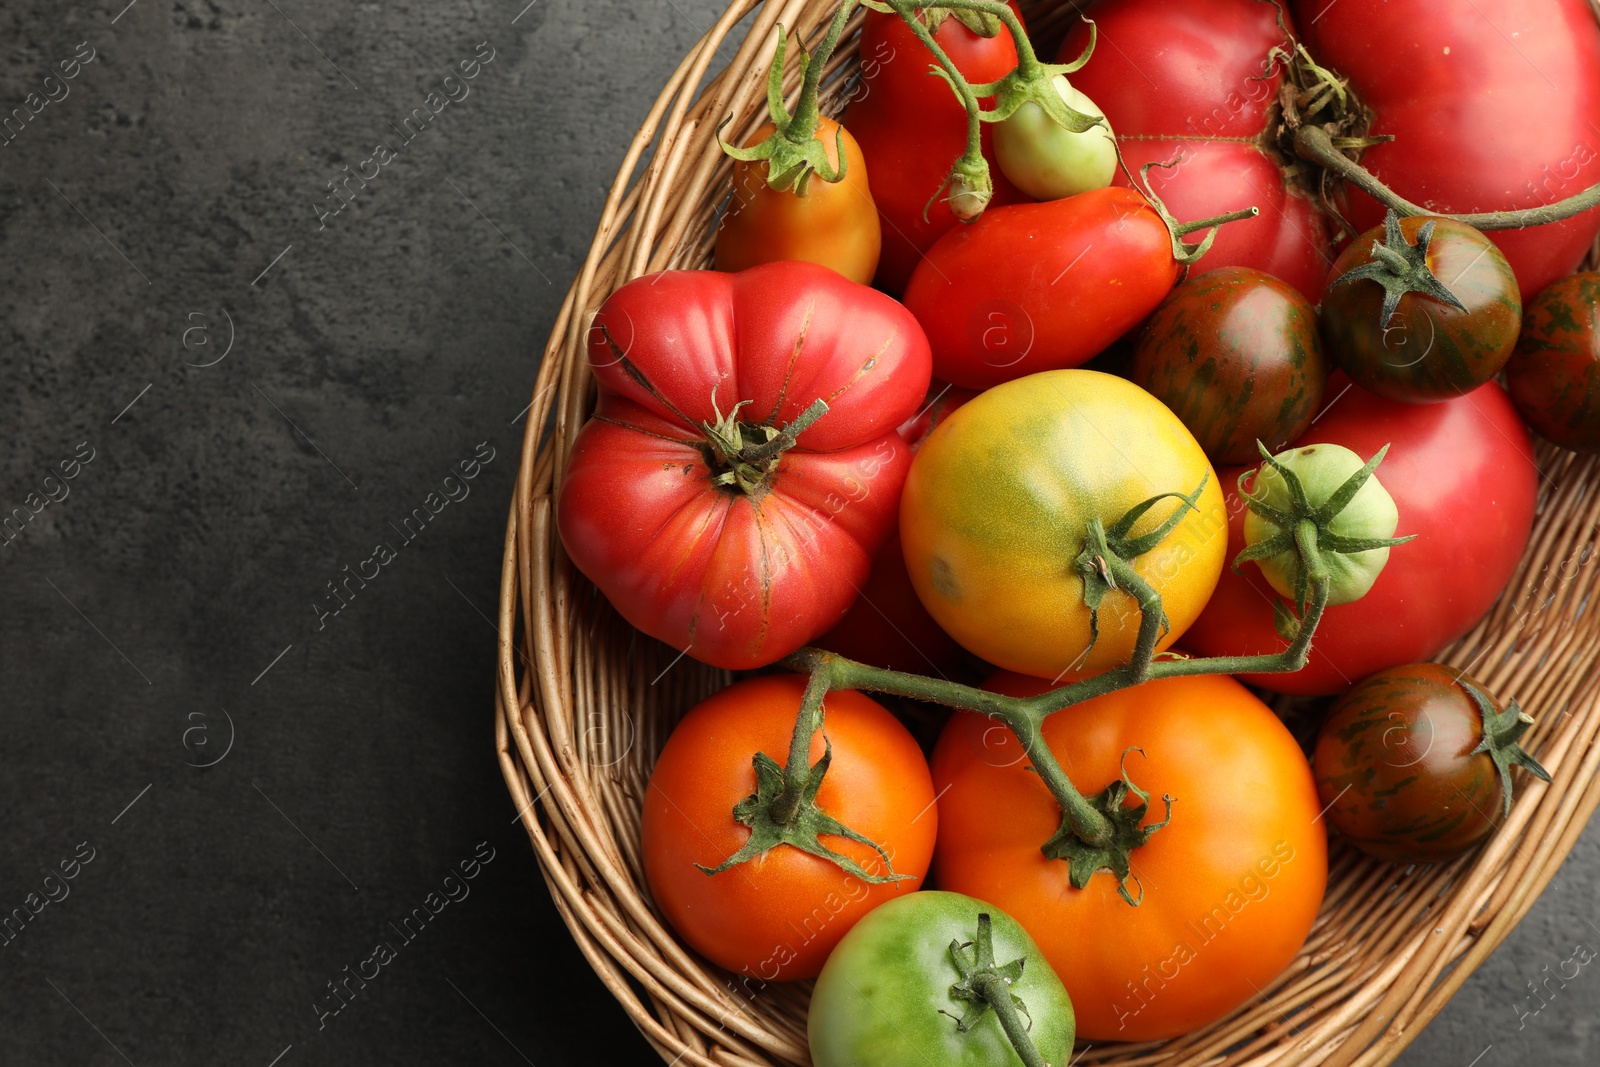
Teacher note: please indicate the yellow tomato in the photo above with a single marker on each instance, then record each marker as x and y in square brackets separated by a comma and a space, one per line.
[998, 502]
[834, 224]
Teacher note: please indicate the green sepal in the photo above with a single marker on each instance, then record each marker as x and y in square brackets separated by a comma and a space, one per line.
[793, 152]
[1401, 268]
[1114, 854]
[804, 830]
[1502, 734]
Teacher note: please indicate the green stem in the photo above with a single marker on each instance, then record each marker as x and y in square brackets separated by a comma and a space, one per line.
[1183, 229]
[803, 124]
[797, 770]
[1314, 144]
[997, 993]
[962, 87]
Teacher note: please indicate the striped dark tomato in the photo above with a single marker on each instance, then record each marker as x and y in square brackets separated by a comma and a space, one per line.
[1413, 768]
[1421, 349]
[1235, 354]
[1554, 375]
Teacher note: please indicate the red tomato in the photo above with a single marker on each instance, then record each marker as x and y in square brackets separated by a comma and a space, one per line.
[776, 917]
[1231, 886]
[741, 573]
[911, 128]
[1185, 80]
[1035, 287]
[1463, 475]
[1493, 105]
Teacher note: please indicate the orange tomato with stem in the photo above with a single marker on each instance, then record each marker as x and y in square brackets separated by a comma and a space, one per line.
[831, 223]
[777, 916]
[1230, 886]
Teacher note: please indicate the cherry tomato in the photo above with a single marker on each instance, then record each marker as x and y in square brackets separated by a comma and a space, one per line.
[1402, 339]
[1403, 768]
[1191, 82]
[834, 223]
[997, 505]
[1235, 353]
[740, 563]
[1554, 376]
[1462, 474]
[1036, 287]
[1491, 106]
[1048, 161]
[1230, 886]
[912, 128]
[776, 917]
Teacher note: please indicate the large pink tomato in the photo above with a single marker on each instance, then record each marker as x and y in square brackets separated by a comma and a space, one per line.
[742, 466]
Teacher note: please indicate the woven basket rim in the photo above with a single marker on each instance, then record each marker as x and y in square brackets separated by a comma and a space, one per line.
[1390, 946]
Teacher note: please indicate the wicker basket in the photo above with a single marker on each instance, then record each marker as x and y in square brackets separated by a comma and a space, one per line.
[584, 702]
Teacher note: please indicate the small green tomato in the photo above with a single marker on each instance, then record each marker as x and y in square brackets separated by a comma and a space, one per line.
[1370, 515]
[936, 979]
[1048, 161]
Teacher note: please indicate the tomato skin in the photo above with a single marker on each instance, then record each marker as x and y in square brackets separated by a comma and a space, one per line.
[1478, 125]
[1395, 767]
[1048, 161]
[740, 580]
[998, 500]
[1236, 355]
[912, 128]
[776, 918]
[1007, 296]
[1427, 351]
[1236, 879]
[1184, 81]
[887, 626]
[1463, 475]
[879, 997]
[835, 224]
[1554, 376]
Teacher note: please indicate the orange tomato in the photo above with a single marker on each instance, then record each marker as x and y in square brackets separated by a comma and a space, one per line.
[777, 916]
[834, 224]
[1231, 885]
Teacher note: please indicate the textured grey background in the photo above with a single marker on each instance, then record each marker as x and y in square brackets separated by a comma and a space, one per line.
[166, 604]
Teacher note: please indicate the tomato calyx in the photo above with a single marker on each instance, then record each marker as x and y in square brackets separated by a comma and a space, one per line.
[1502, 734]
[745, 454]
[1183, 252]
[985, 986]
[1317, 514]
[1401, 268]
[1124, 832]
[794, 153]
[783, 810]
[981, 23]
[1104, 565]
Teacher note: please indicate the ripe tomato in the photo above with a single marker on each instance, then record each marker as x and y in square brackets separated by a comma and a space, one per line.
[1192, 82]
[1403, 768]
[1492, 105]
[1469, 453]
[1231, 886]
[998, 501]
[1554, 377]
[1235, 353]
[776, 917]
[1401, 339]
[834, 223]
[1036, 287]
[740, 563]
[880, 997]
[912, 128]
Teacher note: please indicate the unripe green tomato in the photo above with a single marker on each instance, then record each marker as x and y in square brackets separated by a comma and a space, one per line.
[1372, 513]
[880, 996]
[1048, 161]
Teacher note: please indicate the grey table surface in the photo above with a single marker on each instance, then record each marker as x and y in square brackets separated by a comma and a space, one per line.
[249, 779]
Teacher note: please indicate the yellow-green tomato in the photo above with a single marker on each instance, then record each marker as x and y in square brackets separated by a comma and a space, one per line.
[1048, 161]
[997, 507]
[896, 991]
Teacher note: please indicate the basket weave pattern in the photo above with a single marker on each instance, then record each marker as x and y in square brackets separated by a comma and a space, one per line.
[584, 702]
